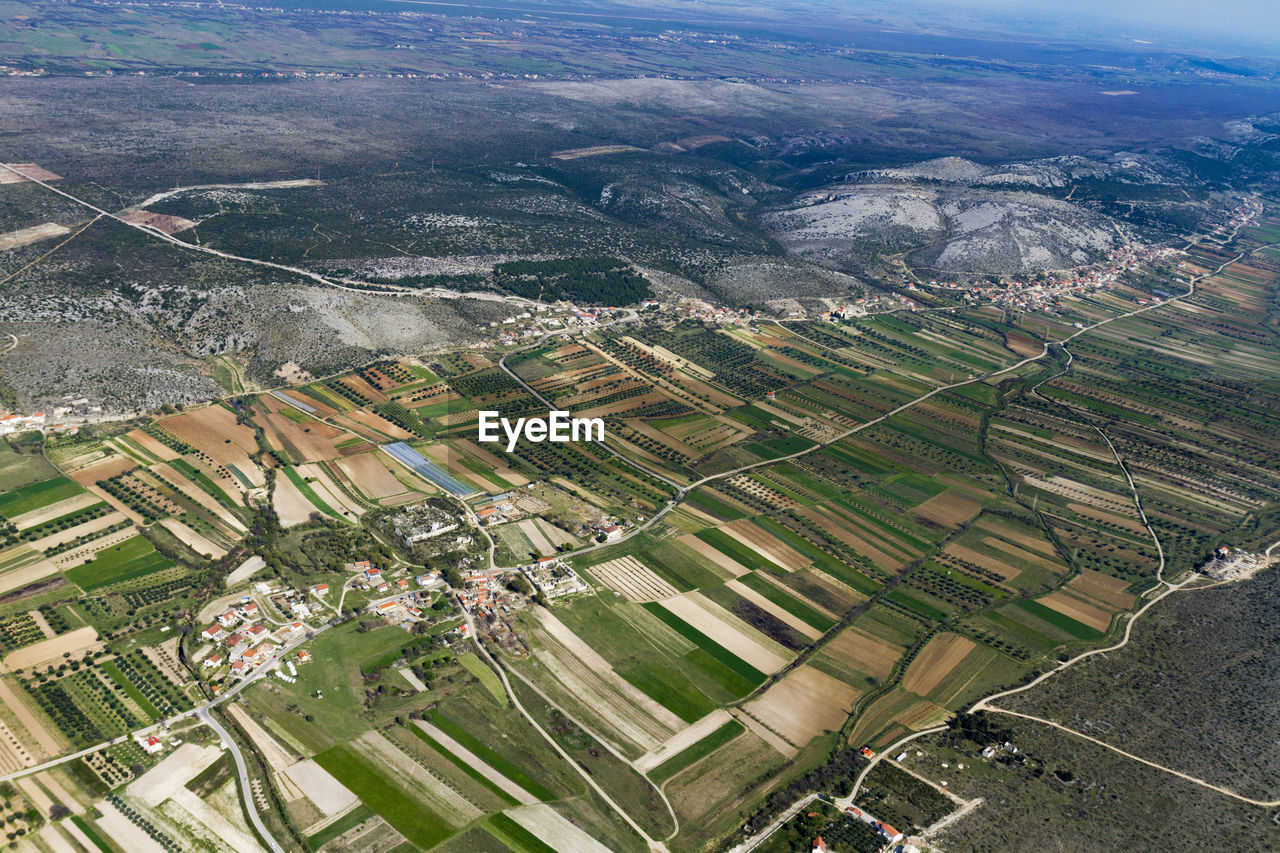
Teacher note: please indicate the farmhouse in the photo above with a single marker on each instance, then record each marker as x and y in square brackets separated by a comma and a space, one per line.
[402, 584]
[304, 656]
[213, 632]
[386, 605]
[226, 620]
[320, 589]
[384, 586]
[213, 661]
[612, 532]
[250, 610]
[151, 745]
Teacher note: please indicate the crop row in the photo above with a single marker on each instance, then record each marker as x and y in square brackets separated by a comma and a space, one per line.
[55, 525]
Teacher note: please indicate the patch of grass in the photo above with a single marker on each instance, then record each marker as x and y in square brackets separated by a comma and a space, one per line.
[712, 505]
[464, 766]
[130, 689]
[661, 683]
[37, 495]
[212, 777]
[131, 559]
[709, 647]
[1059, 620]
[414, 821]
[505, 829]
[493, 759]
[348, 821]
[732, 548]
[488, 677]
[92, 834]
[697, 751]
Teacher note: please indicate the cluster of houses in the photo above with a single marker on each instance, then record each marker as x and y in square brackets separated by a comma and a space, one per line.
[245, 644]
[553, 578]
[498, 509]
[403, 609]
[22, 423]
[1044, 296]
[71, 406]
[481, 590]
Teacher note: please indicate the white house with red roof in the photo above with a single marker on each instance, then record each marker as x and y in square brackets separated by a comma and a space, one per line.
[226, 620]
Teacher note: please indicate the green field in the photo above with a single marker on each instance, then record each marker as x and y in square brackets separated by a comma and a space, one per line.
[697, 751]
[793, 606]
[131, 559]
[718, 662]
[487, 677]
[310, 494]
[91, 834]
[493, 759]
[21, 463]
[37, 495]
[421, 827]
[356, 816]
[1058, 620]
[130, 689]
[464, 766]
[506, 830]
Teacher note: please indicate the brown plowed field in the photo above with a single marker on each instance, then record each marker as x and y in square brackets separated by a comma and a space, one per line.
[941, 655]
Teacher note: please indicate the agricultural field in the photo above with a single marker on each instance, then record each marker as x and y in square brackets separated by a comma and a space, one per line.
[800, 537]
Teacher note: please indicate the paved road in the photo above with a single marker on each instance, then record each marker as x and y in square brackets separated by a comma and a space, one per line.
[250, 806]
[202, 714]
